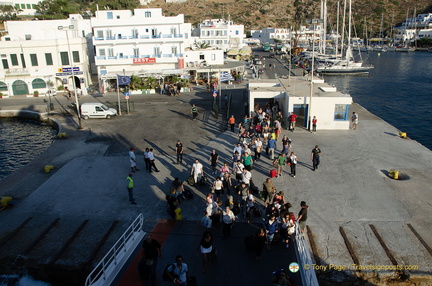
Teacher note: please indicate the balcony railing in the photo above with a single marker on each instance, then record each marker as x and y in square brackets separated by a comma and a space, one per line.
[164, 36]
[140, 56]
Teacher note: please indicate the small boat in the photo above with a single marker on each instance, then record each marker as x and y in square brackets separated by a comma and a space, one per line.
[404, 49]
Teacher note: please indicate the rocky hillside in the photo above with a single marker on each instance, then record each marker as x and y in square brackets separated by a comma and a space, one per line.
[256, 14]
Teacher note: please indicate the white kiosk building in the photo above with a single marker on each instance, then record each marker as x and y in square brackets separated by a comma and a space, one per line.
[294, 95]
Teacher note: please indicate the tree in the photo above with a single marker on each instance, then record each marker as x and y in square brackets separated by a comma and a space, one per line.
[8, 12]
[117, 4]
[57, 8]
[201, 45]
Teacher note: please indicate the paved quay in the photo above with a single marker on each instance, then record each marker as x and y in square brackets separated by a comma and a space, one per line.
[350, 193]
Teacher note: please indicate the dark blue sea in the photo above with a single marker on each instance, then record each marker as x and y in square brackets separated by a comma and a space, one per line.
[21, 141]
[398, 90]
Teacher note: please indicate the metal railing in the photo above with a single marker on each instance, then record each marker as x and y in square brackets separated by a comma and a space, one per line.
[308, 277]
[111, 264]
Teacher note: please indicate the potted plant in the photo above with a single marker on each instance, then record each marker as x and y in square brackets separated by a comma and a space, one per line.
[35, 93]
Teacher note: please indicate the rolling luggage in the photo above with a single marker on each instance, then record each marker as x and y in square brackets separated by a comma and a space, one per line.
[273, 173]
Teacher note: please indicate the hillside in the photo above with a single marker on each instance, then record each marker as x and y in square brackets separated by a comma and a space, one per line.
[256, 14]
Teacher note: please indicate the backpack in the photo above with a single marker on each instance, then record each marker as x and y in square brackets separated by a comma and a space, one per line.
[166, 276]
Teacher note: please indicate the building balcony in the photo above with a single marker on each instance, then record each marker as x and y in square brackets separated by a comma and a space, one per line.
[117, 38]
[128, 59]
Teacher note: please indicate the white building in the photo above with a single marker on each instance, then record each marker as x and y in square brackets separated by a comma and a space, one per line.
[36, 53]
[25, 7]
[268, 35]
[221, 34]
[405, 35]
[293, 95]
[142, 42]
[425, 33]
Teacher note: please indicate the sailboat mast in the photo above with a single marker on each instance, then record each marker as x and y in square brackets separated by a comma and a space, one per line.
[337, 30]
[343, 28]
[349, 24]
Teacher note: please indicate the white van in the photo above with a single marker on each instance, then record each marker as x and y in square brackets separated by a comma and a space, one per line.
[97, 110]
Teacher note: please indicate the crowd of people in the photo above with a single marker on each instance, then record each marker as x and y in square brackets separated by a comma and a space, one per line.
[234, 194]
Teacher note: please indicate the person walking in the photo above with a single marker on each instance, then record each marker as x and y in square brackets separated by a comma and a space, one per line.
[132, 159]
[258, 148]
[354, 121]
[280, 161]
[206, 249]
[197, 171]
[293, 119]
[213, 159]
[231, 122]
[228, 218]
[152, 160]
[194, 112]
[271, 145]
[292, 161]
[269, 191]
[259, 242]
[179, 270]
[179, 152]
[146, 159]
[152, 250]
[302, 216]
[314, 124]
[247, 161]
[130, 186]
[315, 157]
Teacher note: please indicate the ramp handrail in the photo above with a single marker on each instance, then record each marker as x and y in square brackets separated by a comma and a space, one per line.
[107, 269]
[308, 277]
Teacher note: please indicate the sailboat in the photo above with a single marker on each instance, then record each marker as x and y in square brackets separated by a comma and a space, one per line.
[345, 65]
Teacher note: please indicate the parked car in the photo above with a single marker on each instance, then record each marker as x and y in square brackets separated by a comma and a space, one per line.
[96, 110]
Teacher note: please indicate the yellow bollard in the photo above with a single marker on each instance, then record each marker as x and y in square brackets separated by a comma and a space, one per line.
[4, 201]
[402, 134]
[62, 135]
[394, 174]
[48, 168]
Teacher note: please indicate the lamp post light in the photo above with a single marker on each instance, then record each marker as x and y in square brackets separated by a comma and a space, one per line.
[66, 29]
[313, 22]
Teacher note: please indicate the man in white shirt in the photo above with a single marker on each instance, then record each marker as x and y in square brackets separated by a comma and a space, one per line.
[246, 176]
[238, 170]
[197, 171]
[238, 148]
[132, 159]
[152, 160]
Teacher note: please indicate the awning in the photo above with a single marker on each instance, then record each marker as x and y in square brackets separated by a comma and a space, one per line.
[233, 52]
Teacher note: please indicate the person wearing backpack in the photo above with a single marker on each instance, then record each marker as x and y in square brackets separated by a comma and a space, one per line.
[177, 272]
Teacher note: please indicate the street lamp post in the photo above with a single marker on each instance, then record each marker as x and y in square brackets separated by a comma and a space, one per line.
[66, 29]
[313, 22]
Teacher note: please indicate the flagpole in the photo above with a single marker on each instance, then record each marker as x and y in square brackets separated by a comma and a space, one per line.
[118, 96]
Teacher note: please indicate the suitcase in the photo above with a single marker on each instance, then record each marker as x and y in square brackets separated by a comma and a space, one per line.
[273, 173]
[191, 180]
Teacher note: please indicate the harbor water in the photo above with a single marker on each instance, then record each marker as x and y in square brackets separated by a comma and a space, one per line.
[398, 90]
[22, 140]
